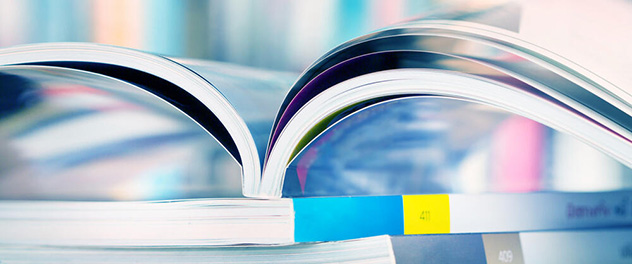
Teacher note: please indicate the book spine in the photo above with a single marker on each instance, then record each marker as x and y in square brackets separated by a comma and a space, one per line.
[593, 246]
[339, 218]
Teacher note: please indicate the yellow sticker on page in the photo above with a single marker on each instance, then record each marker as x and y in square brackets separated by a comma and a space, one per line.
[426, 214]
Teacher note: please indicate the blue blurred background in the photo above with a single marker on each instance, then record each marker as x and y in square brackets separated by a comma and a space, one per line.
[275, 34]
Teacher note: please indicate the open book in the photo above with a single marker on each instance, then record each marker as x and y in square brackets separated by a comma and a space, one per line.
[455, 70]
[265, 123]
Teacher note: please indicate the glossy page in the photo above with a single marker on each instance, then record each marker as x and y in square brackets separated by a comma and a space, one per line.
[74, 135]
[256, 94]
[443, 145]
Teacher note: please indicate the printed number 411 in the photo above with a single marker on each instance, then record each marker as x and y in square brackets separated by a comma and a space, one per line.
[425, 215]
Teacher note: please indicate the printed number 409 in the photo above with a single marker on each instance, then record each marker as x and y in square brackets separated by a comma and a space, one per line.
[505, 256]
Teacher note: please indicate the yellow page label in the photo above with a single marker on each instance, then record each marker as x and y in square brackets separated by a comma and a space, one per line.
[426, 214]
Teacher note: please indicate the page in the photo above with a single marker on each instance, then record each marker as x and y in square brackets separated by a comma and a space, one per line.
[489, 49]
[158, 75]
[503, 15]
[255, 94]
[366, 250]
[182, 222]
[74, 135]
[446, 145]
[316, 116]
[163, 77]
[484, 51]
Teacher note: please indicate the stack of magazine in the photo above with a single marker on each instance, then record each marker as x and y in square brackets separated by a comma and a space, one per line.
[439, 140]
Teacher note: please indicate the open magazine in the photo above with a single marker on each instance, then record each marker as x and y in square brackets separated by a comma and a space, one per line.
[467, 78]
[413, 122]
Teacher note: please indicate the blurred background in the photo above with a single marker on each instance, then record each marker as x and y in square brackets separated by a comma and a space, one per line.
[275, 34]
[289, 35]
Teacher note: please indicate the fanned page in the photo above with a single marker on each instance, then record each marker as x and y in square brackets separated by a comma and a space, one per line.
[233, 104]
[236, 105]
[532, 82]
[254, 93]
[451, 146]
[76, 135]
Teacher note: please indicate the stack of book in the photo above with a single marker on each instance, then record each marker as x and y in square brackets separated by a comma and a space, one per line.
[436, 141]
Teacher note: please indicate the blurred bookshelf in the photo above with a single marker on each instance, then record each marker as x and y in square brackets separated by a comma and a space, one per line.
[241, 31]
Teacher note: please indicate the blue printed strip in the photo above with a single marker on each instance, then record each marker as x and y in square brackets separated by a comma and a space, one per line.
[340, 218]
